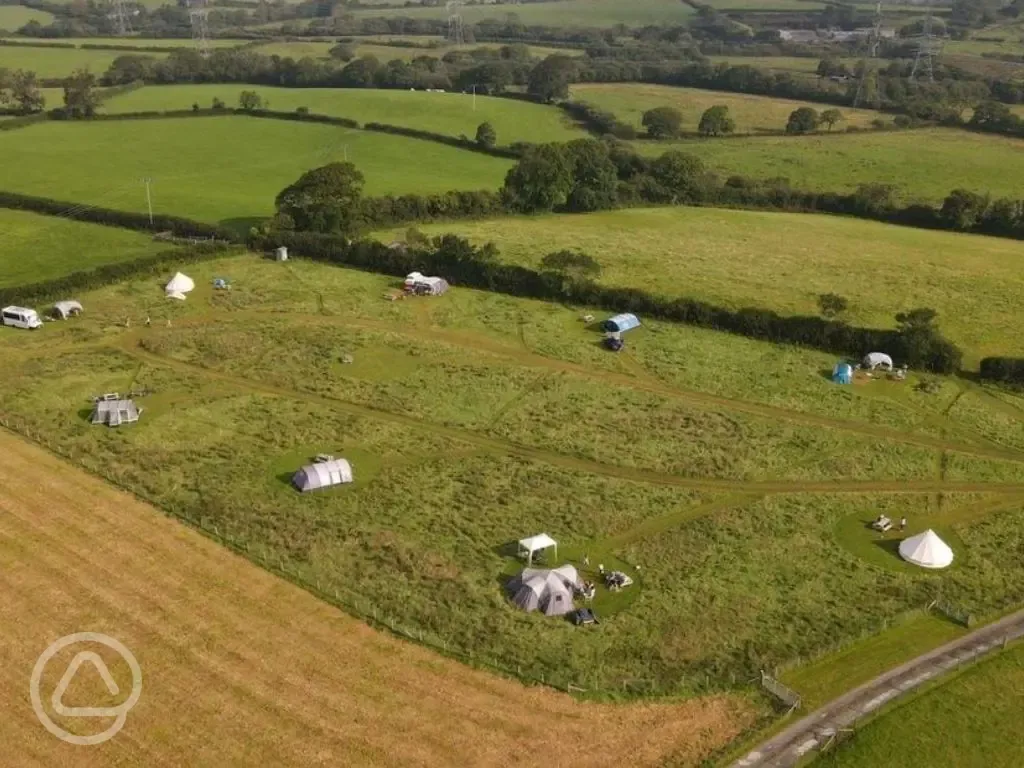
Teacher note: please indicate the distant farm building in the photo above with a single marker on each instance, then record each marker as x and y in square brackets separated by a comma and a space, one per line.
[842, 373]
[621, 323]
[421, 285]
[322, 474]
[62, 310]
[114, 411]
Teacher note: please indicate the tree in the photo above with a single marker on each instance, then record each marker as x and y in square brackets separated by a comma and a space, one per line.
[25, 92]
[218, 103]
[571, 264]
[963, 209]
[486, 135]
[716, 122]
[325, 199]
[802, 120]
[550, 79]
[921, 318]
[250, 101]
[662, 122]
[360, 73]
[595, 178]
[343, 52]
[80, 98]
[874, 199]
[832, 304]
[677, 177]
[541, 180]
[993, 116]
[128, 68]
[830, 117]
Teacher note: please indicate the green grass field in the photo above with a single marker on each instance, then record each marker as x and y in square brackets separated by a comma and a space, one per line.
[923, 164]
[793, 64]
[475, 419]
[222, 168]
[14, 16]
[448, 113]
[751, 113]
[785, 261]
[162, 42]
[571, 13]
[38, 248]
[48, 61]
[766, 5]
[973, 720]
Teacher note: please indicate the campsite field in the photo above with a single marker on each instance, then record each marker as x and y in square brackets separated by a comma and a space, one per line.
[753, 114]
[38, 248]
[785, 261]
[474, 419]
[972, 720]
[921, 164]
[240, 656]
[194, 174]
[448, 113]
[559, 13]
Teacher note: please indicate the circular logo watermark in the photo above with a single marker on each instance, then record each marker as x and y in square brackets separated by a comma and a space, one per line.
[119, 713]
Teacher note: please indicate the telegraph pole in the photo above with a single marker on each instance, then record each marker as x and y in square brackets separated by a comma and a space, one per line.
[149, 199]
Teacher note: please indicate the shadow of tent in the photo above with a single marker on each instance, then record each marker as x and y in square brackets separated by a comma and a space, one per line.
[891, 547]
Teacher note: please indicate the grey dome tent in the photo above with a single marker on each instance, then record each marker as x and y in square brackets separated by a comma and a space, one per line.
[322, 474]
[549, 591]
[115, 412]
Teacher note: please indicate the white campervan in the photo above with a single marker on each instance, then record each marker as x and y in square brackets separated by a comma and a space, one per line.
[20, 317]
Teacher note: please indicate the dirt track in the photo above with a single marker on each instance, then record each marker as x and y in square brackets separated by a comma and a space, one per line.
[241, 668]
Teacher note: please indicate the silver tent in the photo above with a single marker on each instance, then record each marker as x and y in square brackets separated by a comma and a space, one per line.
[114, 413]
[549, 591]
[66, 309]
[322, 474]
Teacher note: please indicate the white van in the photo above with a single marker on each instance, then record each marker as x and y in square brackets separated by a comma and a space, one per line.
[20, 317]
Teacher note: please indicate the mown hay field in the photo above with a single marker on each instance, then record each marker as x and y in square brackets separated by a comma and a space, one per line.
[785, 261]
[38, 248]
[265, 672]
[922, 164]
[222, 169]
[972, 720]
[452, 114]
[752, 114]
[473, 420]
[559, 13]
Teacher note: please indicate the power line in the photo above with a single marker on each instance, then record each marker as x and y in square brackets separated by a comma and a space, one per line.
[197, 13]
[928, 47]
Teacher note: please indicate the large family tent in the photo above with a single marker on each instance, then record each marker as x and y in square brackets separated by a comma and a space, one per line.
[927, 550]
[549, 591]
[178, 286]
[620, 323]
[114, 413]
[842, 373]
[322, 474]
[536, 543]
[425, 286]
[65, 309]
[877, 360]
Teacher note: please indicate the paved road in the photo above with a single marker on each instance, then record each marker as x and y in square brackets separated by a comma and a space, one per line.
[793, 744]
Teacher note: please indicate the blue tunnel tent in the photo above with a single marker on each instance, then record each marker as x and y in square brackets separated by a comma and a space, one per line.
[624, 322]
[842, 373]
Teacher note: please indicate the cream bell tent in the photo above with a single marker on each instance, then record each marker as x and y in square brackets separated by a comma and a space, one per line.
[927, 550]
[534, 544]
[180, 285]
[548, 591]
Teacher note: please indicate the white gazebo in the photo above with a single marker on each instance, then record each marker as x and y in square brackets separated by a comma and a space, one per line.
[535, 544]
[926, 550]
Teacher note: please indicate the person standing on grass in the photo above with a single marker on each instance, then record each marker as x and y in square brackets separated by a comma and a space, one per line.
[903, 523]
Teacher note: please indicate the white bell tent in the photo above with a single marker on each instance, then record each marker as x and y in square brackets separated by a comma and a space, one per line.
[926, 550]
[178, 286]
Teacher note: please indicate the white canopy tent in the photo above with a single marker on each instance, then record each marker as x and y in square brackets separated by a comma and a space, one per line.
[178, 286]
[535, 544]
[926, 550]
[877, 360]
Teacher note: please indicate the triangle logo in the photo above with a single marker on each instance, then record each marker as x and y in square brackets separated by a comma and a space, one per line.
[58, 694]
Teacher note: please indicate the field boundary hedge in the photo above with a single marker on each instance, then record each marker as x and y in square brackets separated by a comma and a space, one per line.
[463, 264]
[1006, 370]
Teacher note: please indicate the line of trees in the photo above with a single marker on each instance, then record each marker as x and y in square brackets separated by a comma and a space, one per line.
[1006, 370]
[916, 340]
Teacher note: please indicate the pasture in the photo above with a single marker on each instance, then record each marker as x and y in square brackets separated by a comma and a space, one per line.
[785, 261]
[923, 164]
[14, 16]
[972, 720]
[753, 114]
[162, 42]
[559, 13]
[803, 65]
[38, 248]
[448, 113]
[223, 169]
[48, 61]
[252, 675]
[715, 470]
